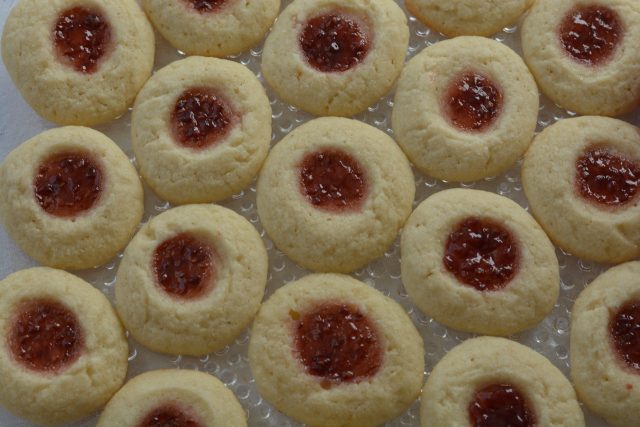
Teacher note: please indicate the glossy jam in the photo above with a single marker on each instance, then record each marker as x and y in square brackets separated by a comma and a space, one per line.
[206, 6]
[624, 328]
[605, 177]
[335, 41]
[472, 102]
[337, 343]
[201, 118]
[500, 405]
[184, 266]
[590, 34]
[482, 254]
[45, 336]
[333, 180]
[170, 415]
[68, 184]
[81, 38]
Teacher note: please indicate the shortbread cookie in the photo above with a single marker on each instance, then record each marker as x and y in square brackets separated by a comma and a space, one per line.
[496, 382]
[178, 398]
[70, 198]
[63, 352]
[477, 262]
[328, 350]
[200, 129]
[584, 55]
[605, 345]
[468, 17]
[581, 178]
[335, 57]
[212, 27]
[78, 62]
[191, 280]
[333, 194]
[465, 109]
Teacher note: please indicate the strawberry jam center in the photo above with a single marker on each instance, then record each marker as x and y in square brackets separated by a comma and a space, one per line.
[206, 6]
[472, 102]
[624, 328]
[170, 415]
[500, 405]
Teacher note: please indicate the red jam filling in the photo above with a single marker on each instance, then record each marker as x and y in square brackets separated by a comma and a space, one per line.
[170, 415]
[184, 266]
[333, 180]
[337, 343]
[624, 327]
[205, 6]
[472, 102]
[335, 41]
[500, 405]
[68, 184]
[45, 336]
[591, 34]
[482, 254]
[81, 38]
[606, 178]
[201, 118]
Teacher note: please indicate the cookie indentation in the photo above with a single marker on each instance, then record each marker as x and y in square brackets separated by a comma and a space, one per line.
[472, 102]
[624, 328]
[170, 415]
[45, 336]
[206, 6]
[499, 405]
[482, 254]
[68, 184]
[81, 38]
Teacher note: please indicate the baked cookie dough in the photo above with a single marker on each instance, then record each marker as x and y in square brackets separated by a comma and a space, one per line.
[477, 262]
[468, 17]
[496, 382]
[63, 352]
[335, 57]
[605, 345]
[333, 194]
[173, 397]
[581, 177]
[200, 129]
[212, 27]
[584, 55]
[70, 198]
[465, 109]
[328, 350]
[191, 280]
[78, 62]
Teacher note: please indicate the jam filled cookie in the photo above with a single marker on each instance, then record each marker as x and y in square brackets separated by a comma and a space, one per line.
[465, 109]
[63, 352]
[584, 54]
[173, 398]
[335, 57]
[70, 198]
[328, 350]
[200, 129]
[333, 194]
[488, 382]
[212, 27]
[581, 177]
[477, 262]
[191, 280]
[468, 17]
[78, 62]
[605, 345]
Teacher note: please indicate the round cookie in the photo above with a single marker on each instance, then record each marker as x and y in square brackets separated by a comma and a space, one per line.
[468, 17]
[173, 397]
[333, 194]
[78, 62]
[584, 55]
[63, 353]
[70, 198]
[465, 109]
[328, 350]
[191, 280]
[335, 57]
[200, 129]
[477, 262]
[605, 344]
[496, 382]
[587, 169]
[212, 27]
